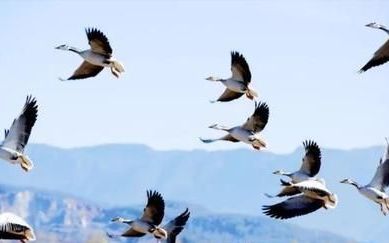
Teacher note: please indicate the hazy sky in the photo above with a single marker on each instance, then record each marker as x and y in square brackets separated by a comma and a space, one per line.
[304, 57]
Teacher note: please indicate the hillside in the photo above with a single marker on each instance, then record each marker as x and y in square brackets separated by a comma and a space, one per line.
[222, 181]
[66, 219]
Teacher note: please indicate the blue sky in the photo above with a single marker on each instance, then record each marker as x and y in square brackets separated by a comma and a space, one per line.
[304, 57]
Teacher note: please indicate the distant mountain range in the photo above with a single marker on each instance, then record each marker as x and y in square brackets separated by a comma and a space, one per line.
[231, 181]
[59, 218]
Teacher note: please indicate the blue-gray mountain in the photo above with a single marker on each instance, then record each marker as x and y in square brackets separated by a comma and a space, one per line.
[223, 181]
[59, 218]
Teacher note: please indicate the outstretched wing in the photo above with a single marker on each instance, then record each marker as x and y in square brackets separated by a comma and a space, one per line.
[239, 68]
[380, 57]
[17, 136]
[258, 120]
[98, 42]
[381, 176]
[293, 207]
[86, 70]
[229, 95]
[312, 159]
[155, 208]
[175, 226]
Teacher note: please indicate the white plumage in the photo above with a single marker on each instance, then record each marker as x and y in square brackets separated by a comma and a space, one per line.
[310, 165]
[95, 58]
[239, 82]
[16, 138]
[13, 227]
[249, 131]
[309, 196]
[375, 190]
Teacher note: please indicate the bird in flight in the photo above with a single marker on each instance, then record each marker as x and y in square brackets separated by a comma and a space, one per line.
[95, 58]
[16, 138]
[238, 83]
[249, 131]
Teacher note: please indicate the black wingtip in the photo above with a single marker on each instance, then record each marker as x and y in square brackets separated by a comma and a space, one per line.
[262, 109]
[153, 195]
[311, 147]
[30, 108]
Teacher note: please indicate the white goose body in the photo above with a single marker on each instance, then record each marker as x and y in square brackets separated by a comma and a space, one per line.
[234, 85]
[95, 58]
[373, 194]
[19, 157]
[307, 197]
[241, 134]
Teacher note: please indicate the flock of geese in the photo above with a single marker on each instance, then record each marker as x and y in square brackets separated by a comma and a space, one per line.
[306, 193]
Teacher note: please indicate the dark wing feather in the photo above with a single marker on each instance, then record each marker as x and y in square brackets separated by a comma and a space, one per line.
[155, 208]
[229, 95]
[239, 67]
[258, 120]
[86, 70]
[175, 226]
[133, 233]
[17, 136]
[380, 57]
[312, 159]
[293, 207]
[98, 42]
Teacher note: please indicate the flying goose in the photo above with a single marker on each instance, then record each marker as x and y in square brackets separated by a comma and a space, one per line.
[238, 84]
[249, 131]
[381, 56]
[310, 166]
[96, 58]
[375, 190]
[149, 222]
[176, 225]
[12, 227]
[311, 195]
[16, 138]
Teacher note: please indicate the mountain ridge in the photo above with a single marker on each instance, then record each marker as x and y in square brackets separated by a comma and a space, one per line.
[224, 181]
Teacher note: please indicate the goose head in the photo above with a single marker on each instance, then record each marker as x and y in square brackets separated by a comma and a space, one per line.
[212, 78]
[346, 181]
[118, 219]
[281, 172]
[375, 25]
[372, 25]
[63, 47]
